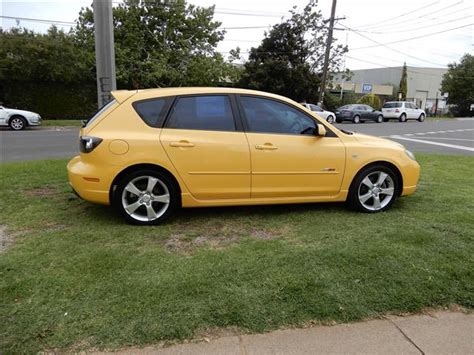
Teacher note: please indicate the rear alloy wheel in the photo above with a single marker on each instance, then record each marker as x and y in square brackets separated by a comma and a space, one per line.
[403, 118]
[330, 119]
[374, 189]
[17, 123]
[421, 118]
[356, 119]
[379, 119]
[146, 197]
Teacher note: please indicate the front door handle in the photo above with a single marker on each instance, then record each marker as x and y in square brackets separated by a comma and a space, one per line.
[182, 144]
[266, 146]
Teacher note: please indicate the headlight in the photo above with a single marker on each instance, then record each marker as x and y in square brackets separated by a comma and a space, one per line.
[410, 154]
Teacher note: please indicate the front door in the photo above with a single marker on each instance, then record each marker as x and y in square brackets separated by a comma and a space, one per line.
[288, 160]
[210, 154]
[3, 116]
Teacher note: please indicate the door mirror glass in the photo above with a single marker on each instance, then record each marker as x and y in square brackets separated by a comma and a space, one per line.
[320, 130]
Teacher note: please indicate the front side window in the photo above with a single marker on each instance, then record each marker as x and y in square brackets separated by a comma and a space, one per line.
[209, 113]
[270, 116]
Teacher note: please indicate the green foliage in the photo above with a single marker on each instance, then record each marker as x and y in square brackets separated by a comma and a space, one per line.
[289, 59]
[331, 102]
[160, 44]
[459, 83]
[403, 87]
[371, 100]
[78, 278]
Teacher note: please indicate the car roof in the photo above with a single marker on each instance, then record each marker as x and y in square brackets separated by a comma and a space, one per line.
[123, 95]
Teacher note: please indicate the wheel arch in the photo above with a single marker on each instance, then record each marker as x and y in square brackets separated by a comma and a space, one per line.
[17, 115]
[387, 164]
[142, 166]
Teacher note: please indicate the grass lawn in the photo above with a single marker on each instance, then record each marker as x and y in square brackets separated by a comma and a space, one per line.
[61, 123]
[77, 278]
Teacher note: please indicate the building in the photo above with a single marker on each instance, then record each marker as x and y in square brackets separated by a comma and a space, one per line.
[424, 84]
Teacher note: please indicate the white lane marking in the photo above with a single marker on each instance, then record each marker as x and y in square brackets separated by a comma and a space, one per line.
[434, 143]
[448, 139]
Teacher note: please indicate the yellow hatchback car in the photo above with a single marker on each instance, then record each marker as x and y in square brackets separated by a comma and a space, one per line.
[149, 152]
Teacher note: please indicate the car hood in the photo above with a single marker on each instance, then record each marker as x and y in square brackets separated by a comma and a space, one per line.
[365, 139]
[20, 112]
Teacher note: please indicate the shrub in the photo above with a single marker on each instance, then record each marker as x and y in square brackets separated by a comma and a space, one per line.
[371, 100]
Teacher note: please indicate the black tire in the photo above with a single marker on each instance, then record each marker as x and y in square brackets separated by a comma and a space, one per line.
[164, 180]
[421, 118]
[379, 119]
[17, 123]
[403, 117]
[356, 186]
[330, 119]
[338, 120]
[356, 119]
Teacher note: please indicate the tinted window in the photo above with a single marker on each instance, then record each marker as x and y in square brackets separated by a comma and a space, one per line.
[392, 104]
[153, 111]
[209, 113]
[360, 108]
[410, 105]
[315, 108]
[264, 115]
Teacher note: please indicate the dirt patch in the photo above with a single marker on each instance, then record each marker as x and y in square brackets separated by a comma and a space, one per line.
[6, 239]
[185, 240]
[42, 191]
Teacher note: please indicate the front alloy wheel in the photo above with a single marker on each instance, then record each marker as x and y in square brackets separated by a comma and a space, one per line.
[374, 189]
[146, 197]
[17, 123]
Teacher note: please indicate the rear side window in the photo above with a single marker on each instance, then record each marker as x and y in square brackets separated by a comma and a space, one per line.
[392, 105]
[152, 111]
[208, 113]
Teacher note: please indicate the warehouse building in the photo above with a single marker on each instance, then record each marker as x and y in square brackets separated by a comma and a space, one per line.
[424, 84]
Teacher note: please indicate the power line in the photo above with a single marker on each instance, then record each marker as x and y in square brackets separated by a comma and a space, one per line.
[27, 19]
[403, 14]
[407, 39]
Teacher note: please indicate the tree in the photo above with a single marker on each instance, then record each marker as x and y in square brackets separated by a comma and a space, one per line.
[289, 59]
[371, 100]
[159, 44]
[459, 83]
[403, 87]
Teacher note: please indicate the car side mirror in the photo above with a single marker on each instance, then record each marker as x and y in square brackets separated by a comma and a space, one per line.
[320, 130]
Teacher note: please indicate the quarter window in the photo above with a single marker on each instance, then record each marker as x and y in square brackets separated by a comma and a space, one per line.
[153, 111]
[270, 116]
[209, 113]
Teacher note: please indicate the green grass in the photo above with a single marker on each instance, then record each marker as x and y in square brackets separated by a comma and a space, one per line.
[78, 278]
[61, 123]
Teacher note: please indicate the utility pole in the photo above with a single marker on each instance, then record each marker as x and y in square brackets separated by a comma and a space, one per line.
[326, 55]
[104, 50]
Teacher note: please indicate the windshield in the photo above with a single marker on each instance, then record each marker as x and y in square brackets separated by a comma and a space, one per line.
[392, 104]
[98, 113]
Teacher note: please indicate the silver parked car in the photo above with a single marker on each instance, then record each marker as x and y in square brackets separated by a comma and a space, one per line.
[327, 115]
[18, 119]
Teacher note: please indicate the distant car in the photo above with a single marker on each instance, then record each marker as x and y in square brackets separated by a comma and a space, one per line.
[18, 119]
[327, 115]
[402, 111]
[358, 113]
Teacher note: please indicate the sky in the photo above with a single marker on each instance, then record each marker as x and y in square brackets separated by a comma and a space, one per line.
[382, 33]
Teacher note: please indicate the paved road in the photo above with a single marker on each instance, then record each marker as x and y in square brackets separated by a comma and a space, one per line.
[447, 137]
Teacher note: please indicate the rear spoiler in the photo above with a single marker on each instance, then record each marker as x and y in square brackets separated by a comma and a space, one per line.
[123, 95]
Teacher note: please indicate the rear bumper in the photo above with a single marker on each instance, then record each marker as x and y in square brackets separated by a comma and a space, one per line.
[391, 114]
[88, 182]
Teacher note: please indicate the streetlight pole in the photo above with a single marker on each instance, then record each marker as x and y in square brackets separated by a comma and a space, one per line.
[326, 55]
[104, 50]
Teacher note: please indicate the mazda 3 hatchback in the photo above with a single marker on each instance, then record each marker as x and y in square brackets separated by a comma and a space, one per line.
[149, 152]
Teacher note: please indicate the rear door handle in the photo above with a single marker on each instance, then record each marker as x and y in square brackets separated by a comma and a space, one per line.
[266, 146]
[182, 144]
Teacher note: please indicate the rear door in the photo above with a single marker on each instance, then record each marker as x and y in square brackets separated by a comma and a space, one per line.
[206, 145]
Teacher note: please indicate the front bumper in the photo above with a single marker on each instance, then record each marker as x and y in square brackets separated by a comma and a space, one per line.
[410, 175]
[88, 182]
[35, 121]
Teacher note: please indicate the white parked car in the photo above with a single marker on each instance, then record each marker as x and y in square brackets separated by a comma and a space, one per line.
[402, 110]
[18, 119]
[327, 115]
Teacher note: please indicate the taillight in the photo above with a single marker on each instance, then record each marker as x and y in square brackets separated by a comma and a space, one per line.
[87, 144]
[397, 110]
